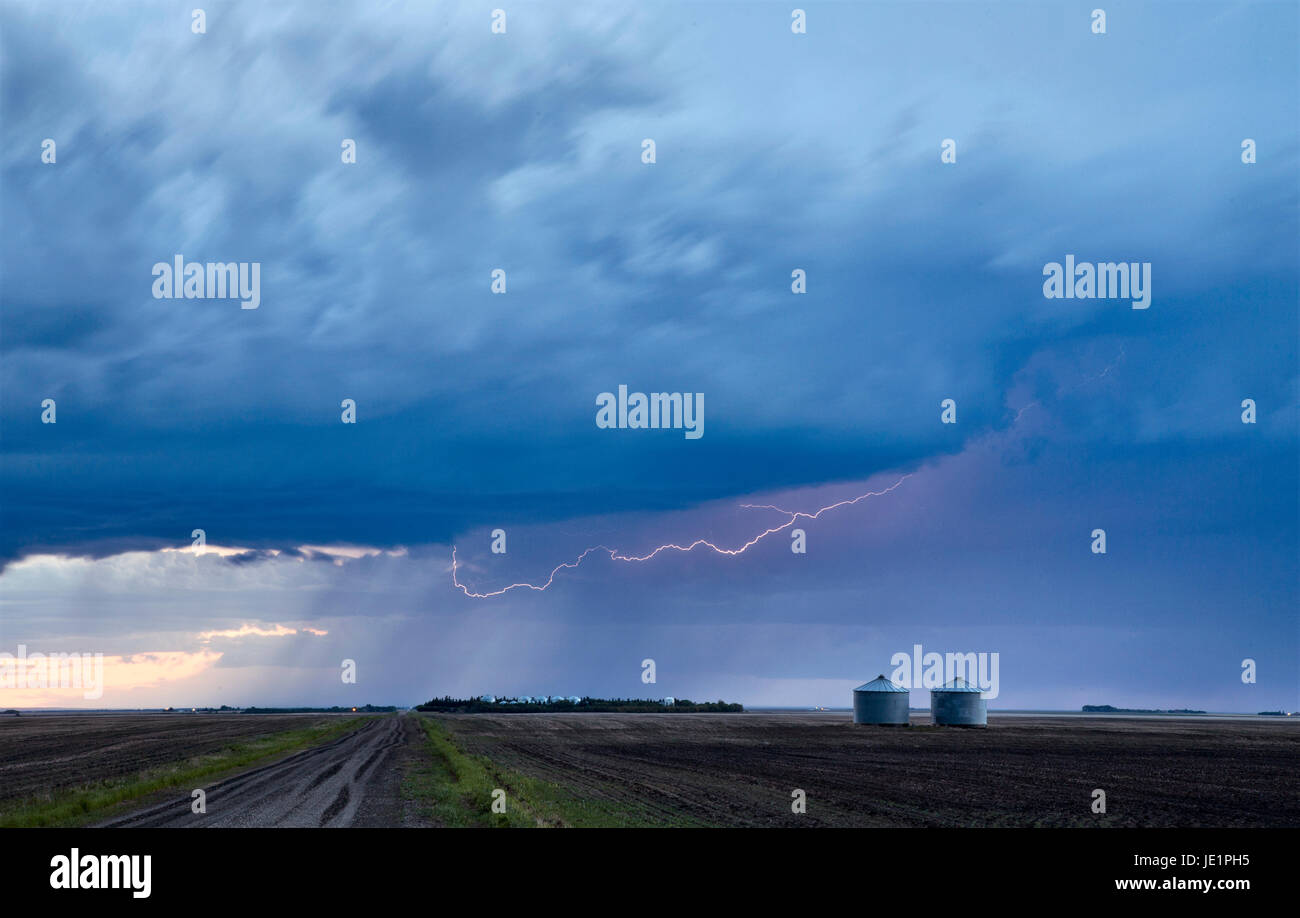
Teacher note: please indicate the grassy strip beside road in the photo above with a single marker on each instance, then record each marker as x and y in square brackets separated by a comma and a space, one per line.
[99, 800]
[455, 788]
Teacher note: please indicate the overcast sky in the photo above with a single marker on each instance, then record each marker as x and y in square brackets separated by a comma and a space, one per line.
[475, 411]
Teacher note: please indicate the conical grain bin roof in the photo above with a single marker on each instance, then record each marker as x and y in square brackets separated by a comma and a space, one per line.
[880, 684]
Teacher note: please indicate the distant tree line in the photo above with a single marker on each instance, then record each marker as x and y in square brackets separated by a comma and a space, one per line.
[1108, 709]
[361, 709]
[448, 705]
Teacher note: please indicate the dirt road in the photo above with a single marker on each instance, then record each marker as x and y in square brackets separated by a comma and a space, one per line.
[45, 755]
[351, 781]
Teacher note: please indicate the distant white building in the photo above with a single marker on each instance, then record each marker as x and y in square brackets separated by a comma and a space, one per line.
[574, 699]
[669, 701]
[488, 699]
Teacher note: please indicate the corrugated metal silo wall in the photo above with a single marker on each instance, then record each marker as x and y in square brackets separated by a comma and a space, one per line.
[881, 707]
[959, 709]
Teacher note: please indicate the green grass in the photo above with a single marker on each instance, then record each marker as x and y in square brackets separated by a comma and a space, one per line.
[99, 800]
[454, 789]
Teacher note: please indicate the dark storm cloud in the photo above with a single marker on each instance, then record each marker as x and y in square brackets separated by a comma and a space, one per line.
[924, 280]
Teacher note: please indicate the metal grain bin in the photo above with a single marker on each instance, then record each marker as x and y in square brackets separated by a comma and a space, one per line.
[959, 704]
[881, 702]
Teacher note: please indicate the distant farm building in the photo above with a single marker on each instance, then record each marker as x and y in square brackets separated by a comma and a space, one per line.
[488, 699]
[669, 701]
[880, 701]
[959, 704]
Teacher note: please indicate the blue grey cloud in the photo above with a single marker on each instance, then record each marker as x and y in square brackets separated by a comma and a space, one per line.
[522, 152]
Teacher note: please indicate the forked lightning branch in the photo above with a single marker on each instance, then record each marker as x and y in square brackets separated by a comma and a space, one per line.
[615, 555]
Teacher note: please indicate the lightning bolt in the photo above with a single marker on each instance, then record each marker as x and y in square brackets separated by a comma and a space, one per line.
[794, 516]
[1085, 381]
[615, 555]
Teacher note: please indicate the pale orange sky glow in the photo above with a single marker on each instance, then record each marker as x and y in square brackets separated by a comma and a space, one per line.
[120, 674]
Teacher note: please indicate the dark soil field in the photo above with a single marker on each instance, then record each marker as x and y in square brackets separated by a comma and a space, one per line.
[40, 755]
[740, 769]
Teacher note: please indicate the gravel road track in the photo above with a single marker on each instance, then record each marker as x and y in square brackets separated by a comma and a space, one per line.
[350, 781]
